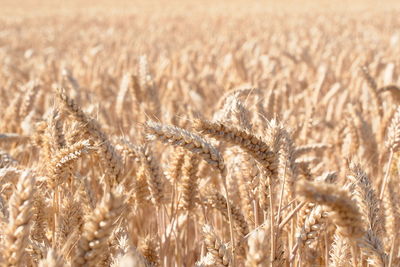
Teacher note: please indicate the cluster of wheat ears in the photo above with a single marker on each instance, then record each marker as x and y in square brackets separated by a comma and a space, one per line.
[175, 140]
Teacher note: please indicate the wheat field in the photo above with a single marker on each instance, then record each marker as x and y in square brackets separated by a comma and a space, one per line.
[199, 133]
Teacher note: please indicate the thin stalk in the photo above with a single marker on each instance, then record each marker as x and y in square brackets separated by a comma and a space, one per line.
[326, 249]
[354, 255]
[272, 223]
[55, 216]
[281, 195]
[256, 213]
[391, 252]
[291, 214]
[387, 175]
[230, 221]
[293, 253]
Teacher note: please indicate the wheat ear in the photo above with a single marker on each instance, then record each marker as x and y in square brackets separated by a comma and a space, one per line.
[17, 231]
[346, 214]
[254, 145]
[97, 230]
[111, 160]
[215, 247]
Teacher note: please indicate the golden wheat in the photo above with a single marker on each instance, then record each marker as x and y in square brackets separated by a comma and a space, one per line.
[199, 133]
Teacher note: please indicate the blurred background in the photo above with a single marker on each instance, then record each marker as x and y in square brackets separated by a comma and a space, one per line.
[45, 7]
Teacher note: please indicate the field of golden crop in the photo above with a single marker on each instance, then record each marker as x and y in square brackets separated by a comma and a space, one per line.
[200, 133]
